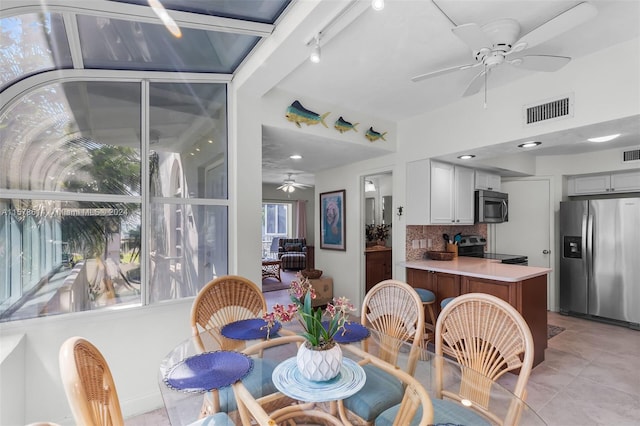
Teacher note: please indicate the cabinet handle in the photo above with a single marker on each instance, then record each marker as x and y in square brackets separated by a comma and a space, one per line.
[546, 251]
[490, 189]
[613, 189]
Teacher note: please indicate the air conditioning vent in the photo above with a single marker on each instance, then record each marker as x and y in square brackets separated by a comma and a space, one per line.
[548, 110]
[631, 156]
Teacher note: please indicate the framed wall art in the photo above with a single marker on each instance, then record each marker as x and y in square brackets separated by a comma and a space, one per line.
[333, 223]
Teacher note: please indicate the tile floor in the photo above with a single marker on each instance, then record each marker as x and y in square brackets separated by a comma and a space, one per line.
[590, 376]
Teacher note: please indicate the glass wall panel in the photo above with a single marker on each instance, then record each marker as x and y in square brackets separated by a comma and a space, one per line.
[95, 263]
[188, 248]
[132, 45]
[188, 140]
[264, 11]
[32, 43]
[79, 137]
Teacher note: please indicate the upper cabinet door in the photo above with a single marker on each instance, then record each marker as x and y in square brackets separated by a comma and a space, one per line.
[442, 193]
[595, 184]
[417, 196]
[487, 181]
[625, 181]
[464, 179]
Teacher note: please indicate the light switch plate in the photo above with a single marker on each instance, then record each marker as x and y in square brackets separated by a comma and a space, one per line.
[415, 244]
[423, 243]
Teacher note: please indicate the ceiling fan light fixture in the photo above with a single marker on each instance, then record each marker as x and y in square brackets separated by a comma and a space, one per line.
[377, 4]
[607, 138]
[530, 144]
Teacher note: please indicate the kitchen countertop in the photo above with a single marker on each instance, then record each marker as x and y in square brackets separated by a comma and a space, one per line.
[480, 268]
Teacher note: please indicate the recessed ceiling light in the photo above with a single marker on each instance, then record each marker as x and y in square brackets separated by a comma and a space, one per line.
[530, 144]
[604, 138]
[466, 156]
[296, 157]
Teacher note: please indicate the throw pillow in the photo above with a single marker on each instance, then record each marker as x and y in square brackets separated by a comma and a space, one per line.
[293, 247]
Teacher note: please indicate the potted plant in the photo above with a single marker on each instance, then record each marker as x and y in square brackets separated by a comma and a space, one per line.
[320, 357]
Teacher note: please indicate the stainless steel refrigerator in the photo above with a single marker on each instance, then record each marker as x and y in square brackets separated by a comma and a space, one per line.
[600, 259]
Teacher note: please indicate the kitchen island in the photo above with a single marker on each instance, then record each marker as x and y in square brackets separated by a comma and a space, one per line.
[524, 287]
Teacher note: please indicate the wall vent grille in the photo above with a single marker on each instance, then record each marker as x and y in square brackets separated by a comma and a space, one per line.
[548, 110]
[631, 156]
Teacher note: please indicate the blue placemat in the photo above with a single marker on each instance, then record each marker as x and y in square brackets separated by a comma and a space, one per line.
[352, 332]
[207, 371]
[288, 380]
[249, 329]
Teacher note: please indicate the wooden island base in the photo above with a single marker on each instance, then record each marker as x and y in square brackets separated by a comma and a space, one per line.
[528, 296]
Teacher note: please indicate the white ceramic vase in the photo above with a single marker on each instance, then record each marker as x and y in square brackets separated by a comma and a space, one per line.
[319, 365]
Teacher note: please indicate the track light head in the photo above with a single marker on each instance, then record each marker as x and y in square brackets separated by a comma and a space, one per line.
[315, 51]
[377, 4]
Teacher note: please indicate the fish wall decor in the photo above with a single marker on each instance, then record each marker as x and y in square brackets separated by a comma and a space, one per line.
[299, 114]
[343, 125]
[372, 135]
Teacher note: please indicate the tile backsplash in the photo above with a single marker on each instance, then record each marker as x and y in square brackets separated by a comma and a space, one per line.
[434, 233]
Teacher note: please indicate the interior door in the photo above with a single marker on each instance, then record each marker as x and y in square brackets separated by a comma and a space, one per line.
[528, 231]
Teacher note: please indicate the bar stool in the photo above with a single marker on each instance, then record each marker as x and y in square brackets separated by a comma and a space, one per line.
[428, 299]
[445, 302]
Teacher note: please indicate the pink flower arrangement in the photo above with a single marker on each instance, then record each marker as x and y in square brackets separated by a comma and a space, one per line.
[301, 293]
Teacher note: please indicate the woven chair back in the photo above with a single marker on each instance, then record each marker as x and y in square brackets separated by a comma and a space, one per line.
[395, 309]
[88, 384]
[489, 338]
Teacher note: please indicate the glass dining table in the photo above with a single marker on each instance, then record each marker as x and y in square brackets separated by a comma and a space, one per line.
[202, 362]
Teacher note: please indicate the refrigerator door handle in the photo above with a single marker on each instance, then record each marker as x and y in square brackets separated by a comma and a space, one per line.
[589, 248]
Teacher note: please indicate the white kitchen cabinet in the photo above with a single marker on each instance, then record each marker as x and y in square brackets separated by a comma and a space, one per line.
[487, 181]
[604, 183]
[451, 194]
[438, 193]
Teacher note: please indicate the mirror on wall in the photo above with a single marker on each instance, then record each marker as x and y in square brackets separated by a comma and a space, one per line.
[370, 210]
[387, 206]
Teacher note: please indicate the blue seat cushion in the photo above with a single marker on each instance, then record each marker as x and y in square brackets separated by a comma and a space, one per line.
[446, 301]
[445, 412]
[218, 419]
[426, 296]
[258, 382]
[380, 392]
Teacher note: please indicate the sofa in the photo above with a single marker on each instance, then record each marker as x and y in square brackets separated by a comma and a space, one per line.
[292, 253]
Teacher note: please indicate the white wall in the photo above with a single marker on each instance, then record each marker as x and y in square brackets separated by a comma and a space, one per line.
[133, 340]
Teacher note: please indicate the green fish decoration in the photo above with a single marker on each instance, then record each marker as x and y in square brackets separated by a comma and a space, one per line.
[343, 125]
[299, 114]
[372, 135]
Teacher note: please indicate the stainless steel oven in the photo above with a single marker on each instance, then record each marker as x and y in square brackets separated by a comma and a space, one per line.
[491, 207]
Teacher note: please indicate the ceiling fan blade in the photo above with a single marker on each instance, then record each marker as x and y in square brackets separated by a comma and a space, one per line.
[476, 84]
[473, 36]
[560, 24]
[545, 63]
[421, 77]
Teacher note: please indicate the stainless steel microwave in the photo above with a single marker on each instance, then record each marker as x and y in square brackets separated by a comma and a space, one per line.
[491, 207]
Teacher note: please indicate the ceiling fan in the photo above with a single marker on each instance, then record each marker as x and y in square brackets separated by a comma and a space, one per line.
[493, 44]
[290, 185]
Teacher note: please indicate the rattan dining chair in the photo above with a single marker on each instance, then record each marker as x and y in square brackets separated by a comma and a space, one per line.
[394, 309]
[415, 407]
[488, 337]
[88, 384]
[222, 301]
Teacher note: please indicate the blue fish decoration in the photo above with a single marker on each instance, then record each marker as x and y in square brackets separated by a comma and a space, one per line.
[343, 125]
[372, 135]
[299, 114]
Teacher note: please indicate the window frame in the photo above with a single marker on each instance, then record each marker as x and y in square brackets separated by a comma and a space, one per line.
[23, 87]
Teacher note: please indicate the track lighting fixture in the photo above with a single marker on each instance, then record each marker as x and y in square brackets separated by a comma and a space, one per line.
[377, 4]
[315, 52]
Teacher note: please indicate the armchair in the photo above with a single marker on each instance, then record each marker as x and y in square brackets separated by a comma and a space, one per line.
[292, 252]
